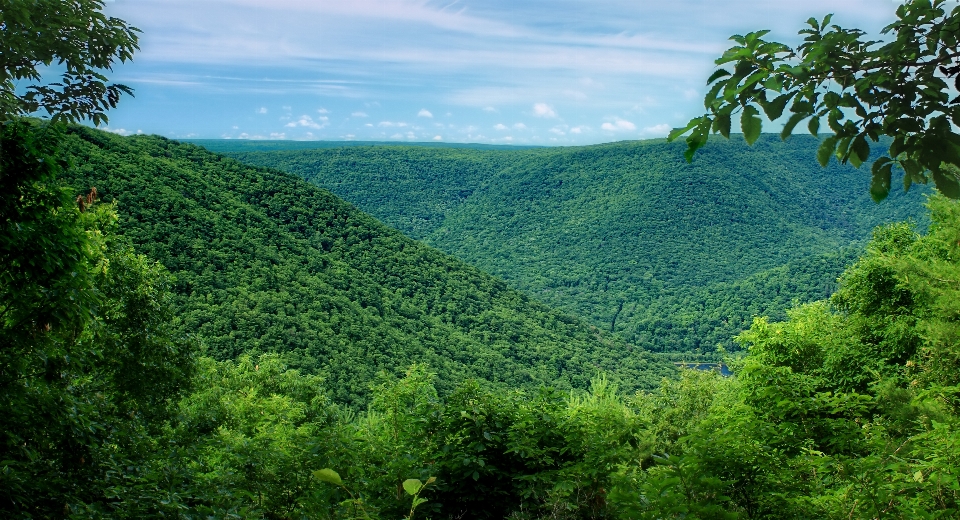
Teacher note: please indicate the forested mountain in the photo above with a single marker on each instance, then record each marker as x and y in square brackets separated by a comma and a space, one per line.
[627, 235]
[266, 262]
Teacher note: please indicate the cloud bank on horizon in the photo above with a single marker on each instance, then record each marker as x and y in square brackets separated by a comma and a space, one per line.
[543, 72]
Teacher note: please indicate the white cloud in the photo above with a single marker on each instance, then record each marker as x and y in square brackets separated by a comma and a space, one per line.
[543, 110]
[656, 130]
[359, 114]
[557, 130]
[278, 135]
[118, 131]
[308, 122]
[323, 111]
[520, 126]
[437, 138]
[490, 109]
[390, 124]
[424, 113]
[578, 129]
[262, 110]
[619, 125]
[500, 126]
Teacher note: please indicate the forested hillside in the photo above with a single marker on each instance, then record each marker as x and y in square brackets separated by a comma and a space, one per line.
[627, 235]
[265, 262]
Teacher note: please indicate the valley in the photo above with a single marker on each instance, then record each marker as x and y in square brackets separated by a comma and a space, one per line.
[619, 233]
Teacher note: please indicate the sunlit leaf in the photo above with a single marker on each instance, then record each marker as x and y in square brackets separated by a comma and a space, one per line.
[412, 486]
[328, 475]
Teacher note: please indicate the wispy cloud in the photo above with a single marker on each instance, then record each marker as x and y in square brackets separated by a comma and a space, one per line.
[618, 125]
[307, 121]
[543, 110]
[660, 130]
[487, 62]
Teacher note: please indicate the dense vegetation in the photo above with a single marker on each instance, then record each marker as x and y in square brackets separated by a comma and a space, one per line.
[849, 409]
[621, 233]
[265, 262]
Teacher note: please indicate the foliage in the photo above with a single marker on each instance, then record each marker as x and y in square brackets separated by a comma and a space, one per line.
[71, 34]
[836, 412]
[88, 366]
[848, 409]
[670, 256]
[266, 262]
[864, 88]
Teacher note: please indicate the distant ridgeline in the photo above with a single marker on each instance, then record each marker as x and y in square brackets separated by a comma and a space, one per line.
[673, 257]
[267, 262]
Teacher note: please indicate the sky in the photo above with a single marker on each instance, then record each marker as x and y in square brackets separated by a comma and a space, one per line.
[523, 72]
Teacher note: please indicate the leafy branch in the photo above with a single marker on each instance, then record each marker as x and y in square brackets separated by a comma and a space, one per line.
[863, 89]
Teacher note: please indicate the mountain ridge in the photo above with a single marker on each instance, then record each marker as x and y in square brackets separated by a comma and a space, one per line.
[266, 262]
[590, 229]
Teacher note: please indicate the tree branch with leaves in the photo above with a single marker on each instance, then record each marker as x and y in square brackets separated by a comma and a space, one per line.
[74, 35]
[863, 89]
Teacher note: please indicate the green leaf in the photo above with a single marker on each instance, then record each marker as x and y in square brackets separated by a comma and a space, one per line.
[750, 124]
[412, 486]
[843, 145]
[328, 475]
[826, 150]
[719, 73]
[722, 125]
[698, 138]
[912, 169]
[814, 126]
[946, 183]
[859, 151]
[677, 132]
[774, 109]
[880, 184]
[711, 97]
[791, 124]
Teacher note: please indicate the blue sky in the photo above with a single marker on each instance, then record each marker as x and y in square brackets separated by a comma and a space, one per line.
[549, 72]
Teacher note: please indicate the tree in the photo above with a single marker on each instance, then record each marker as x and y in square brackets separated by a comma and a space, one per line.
[73, 34]
[88, 363]
[864, 89]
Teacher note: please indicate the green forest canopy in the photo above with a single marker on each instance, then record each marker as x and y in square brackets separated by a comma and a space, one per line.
[671, 256]
[265, 262]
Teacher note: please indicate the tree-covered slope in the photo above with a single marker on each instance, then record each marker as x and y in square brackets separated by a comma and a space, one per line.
[610, 231]
[267, 262]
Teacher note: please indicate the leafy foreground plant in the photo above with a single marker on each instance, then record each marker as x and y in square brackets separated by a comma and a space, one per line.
[863, 88]
[412, 486]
